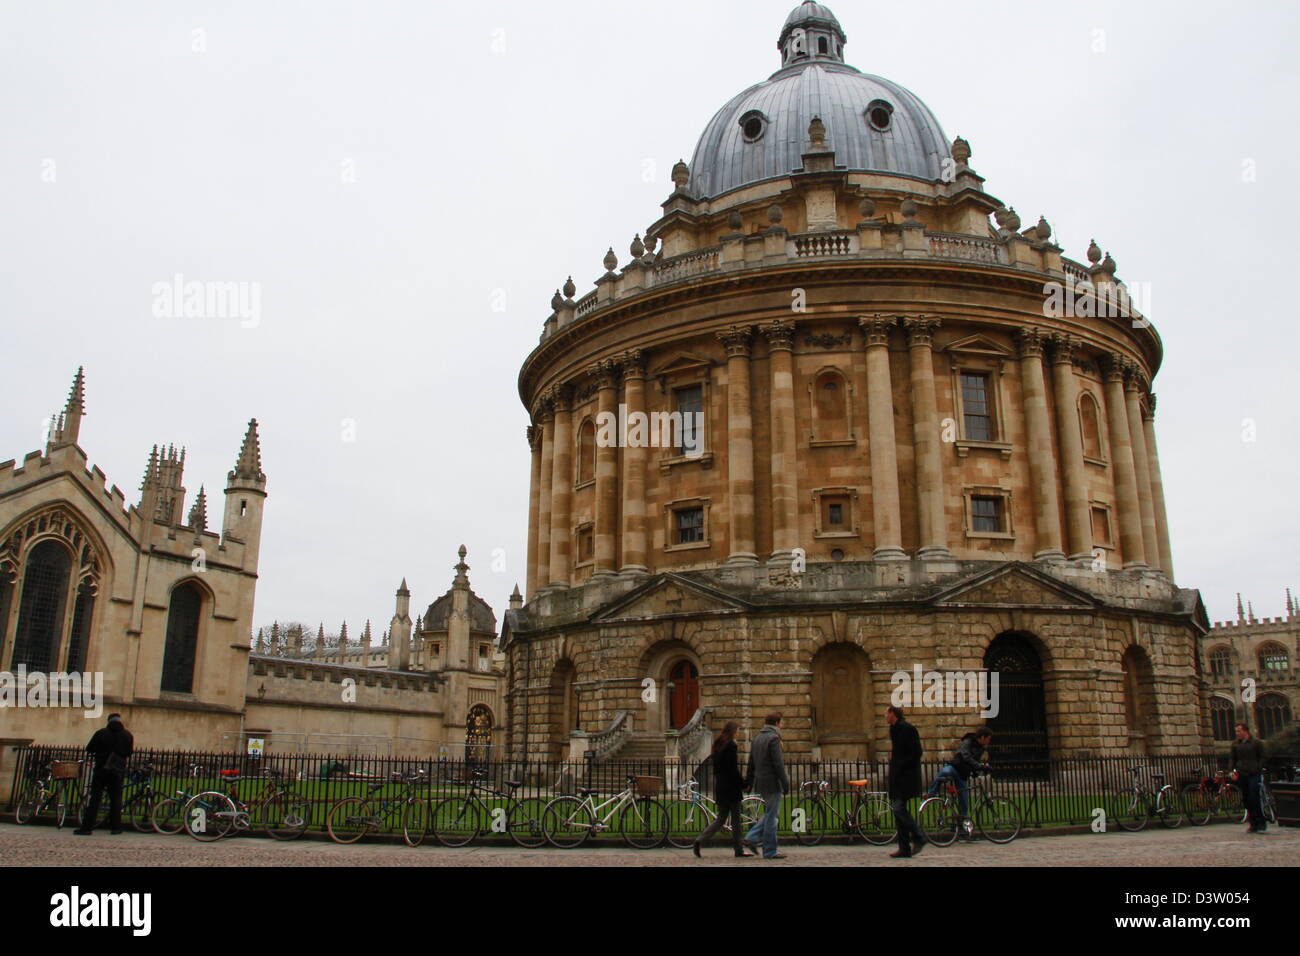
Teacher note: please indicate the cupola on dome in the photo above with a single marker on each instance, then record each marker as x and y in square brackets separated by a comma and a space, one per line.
[872, 124]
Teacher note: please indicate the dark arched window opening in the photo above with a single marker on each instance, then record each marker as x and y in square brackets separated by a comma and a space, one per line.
[43, 608]
[82, 613]
[182, 640]
[822, 48]
[587, 452]
[1020, 726]
[1222, 719]
[1272, 714]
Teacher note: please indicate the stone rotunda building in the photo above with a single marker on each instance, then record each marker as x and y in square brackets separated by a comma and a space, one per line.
[884, 427]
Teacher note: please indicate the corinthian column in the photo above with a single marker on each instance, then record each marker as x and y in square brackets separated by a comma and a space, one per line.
[545, 417]
[925, 432]
[534, 496]
[1157, 488]
[1042, 460]
[634, 455]
[1121, 453]
[880, 440]
[740, 446]
[1077, 517]
[562, 491]
[606, 375]
[1141, 464]
[785, 476]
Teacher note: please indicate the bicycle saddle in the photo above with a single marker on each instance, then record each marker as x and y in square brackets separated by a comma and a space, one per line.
[586, 791]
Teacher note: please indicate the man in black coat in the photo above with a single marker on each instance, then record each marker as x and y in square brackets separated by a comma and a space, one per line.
[904, 781]
[1247, 771]
[110, 746]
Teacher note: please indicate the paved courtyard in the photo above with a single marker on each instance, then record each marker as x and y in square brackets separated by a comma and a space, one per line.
[1219, 845]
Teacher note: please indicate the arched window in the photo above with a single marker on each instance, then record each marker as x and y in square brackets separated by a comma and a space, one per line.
[1273, 659]
[1020, 727]
[82, 613]
[1139, 696]
[1220, 661]
[43, 607]
[821, 46]
[830, 407]
[1089, 420]
[182, 639]
[1272, 714]
[587, 452]
[1222, 719]
[478, 734]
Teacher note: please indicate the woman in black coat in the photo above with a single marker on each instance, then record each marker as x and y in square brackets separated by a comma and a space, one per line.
[728, 789]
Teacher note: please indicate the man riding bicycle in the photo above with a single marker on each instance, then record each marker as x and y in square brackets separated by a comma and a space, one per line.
[965, 761]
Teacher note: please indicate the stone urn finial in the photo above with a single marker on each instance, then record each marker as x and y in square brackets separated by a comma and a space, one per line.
[681, 174]
[908, 208]
[569, 288]
[867, 207]
[611, 260]
[960, 151]
[638, 247]
[1094, 252]
[775, 214]
[1012, 220]
[557, 302]
[1108, 266]
[1044, 230]
[817, 132]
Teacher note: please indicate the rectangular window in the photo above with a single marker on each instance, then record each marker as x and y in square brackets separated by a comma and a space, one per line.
[986, 514]
[975, 406]
[586, 545]
[690, 406]
[1100, 526]
[690, 525]
[835, 515]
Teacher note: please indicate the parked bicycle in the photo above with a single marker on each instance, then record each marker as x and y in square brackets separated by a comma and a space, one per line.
[1132, 808]
[352, 818]
[822, 812]
[53, 789]
[168, 815]
[1211, 797]
[998, 819]
[692, 812]
[569, 822]
[278, 810]
[138, 800]
[456, 821]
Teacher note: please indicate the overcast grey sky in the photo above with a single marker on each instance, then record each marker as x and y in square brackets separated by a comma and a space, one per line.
[409, 182]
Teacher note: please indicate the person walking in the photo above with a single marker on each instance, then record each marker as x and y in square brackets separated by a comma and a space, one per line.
[767, 776]
[967, 759]
[1247, 771]
[904, 781]
[728, 789]
[110, 746]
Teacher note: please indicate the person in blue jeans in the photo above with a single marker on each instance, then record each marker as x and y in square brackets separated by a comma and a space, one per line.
[766, 776]
[967, 759]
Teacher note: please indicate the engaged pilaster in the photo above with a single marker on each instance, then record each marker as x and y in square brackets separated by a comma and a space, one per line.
[881, 441]
[534, 504]
[606, 531]
[785, 476]
[546, 422]
[1042, 459]
[740, 446]
[925, 431]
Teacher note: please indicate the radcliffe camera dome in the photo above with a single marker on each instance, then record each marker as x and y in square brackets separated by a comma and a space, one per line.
[872, 124]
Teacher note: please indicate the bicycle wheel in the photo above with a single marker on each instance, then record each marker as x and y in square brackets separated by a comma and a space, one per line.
[1169, 807]
[209, 816]
[525, 822]
[644, 824]
[808, 821]
[939, 821]
[567, 822]
[415, 822]
[286, 816]
[1269, 806]
[1197, 804]
[350, 819]
[874, 822]
[1231, 804]
[167, 817]
[686, 821]
[456, 821]
[141, 812]
[1129, 811]
[61, 809]
[752, 810]
[999, 819]
[28, 803]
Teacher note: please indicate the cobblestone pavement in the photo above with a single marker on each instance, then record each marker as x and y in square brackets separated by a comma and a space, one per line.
[1218, 845]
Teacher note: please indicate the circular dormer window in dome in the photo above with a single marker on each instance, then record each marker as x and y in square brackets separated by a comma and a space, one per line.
[880, 115]
[753, 125]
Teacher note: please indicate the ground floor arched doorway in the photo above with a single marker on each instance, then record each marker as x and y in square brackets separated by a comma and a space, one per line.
[841, 705]
[1020, 727]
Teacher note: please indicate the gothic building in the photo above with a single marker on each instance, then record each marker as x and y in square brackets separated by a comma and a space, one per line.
[1252, 672]
[840, 415]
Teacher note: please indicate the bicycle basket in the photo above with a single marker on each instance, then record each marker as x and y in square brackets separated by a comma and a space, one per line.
[649, 786]
[65, 770]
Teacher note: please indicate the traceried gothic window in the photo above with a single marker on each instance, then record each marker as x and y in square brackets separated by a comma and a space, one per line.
[43, 608]
[1220, 662]
[1272, 714]
[182, 639]
[478, 734]
[1221, 719]
[82, 613]
[6, 596]
[1273, 658]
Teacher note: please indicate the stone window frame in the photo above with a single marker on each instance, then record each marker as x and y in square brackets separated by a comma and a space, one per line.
[1224, 653]
[1225, 705]
[1096, 504]
[1102, 437]
[687, 371]
[850, 401]
[970, 492]
[585, 528]
[851, 493]
[578, 481]
[979, 356]
[670, 524]
[1259, 658]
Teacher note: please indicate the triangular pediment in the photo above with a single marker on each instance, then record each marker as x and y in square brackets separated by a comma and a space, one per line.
[1014, 585]
[668, 594]
[978, 345]
[683, 362]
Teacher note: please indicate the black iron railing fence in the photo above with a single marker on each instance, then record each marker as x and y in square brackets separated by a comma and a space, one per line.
[1050, 793]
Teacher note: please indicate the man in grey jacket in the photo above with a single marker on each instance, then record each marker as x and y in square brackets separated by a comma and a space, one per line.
[767, 777]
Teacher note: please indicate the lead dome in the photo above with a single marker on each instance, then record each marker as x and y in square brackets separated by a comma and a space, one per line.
[872, 124]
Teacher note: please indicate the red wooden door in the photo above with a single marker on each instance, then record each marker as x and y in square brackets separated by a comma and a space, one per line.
[685, 698]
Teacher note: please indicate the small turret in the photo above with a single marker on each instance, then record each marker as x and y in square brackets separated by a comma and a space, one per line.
[399, 647]
[245, 498]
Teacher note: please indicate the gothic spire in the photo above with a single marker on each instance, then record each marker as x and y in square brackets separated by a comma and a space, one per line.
[249, 464]
[198, 519]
